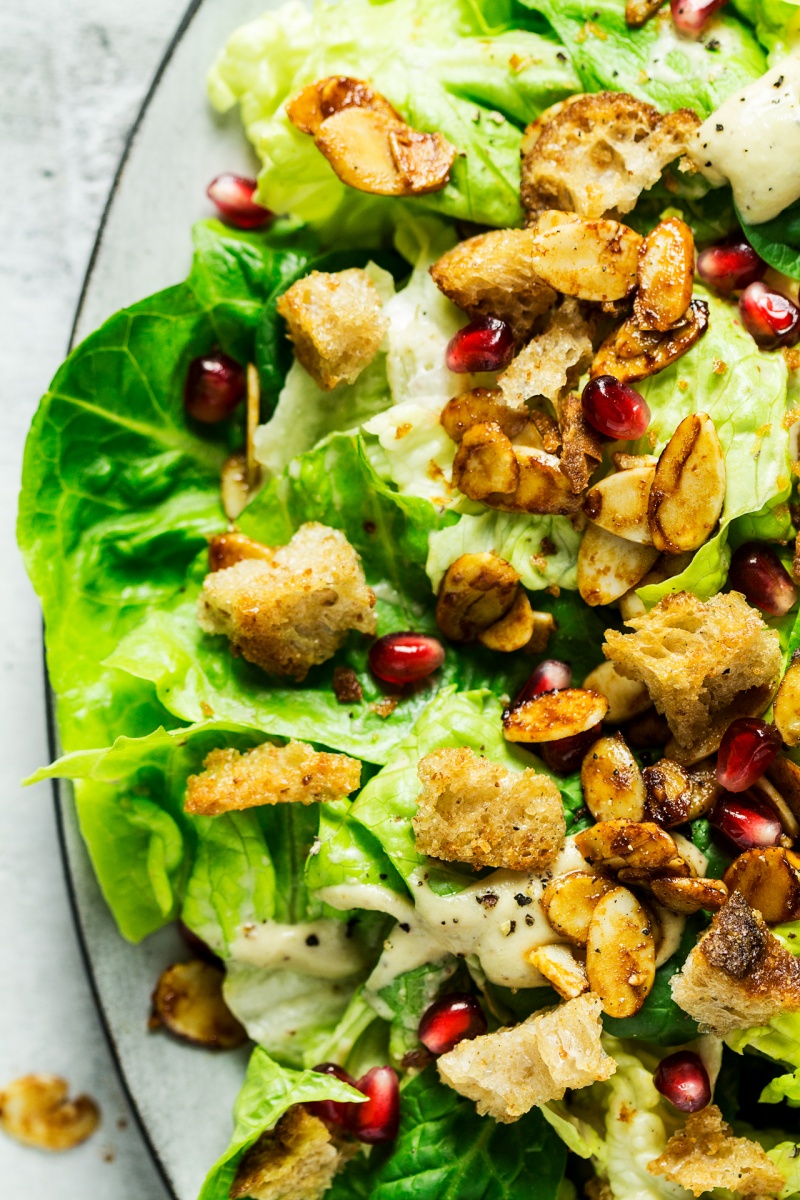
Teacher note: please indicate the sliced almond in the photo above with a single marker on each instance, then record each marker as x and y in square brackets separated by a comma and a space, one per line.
[485, 463]
[514, 630]
[620, 953]
[612, 782]
[618, 504]
[592, 260]
[481, 406]
[685, 896]
[639, 12]
[631, 462]
[705, 790]
[423, 160]
[233, 485]
[542, 488]
[786, 711]
[253, 467]
[544, 626]
[621, 844]
[769, 880]
[626, 697]
[785, 775]
[371, 152]
[188, 1002]
[569, 901]
[476, 591]
[666, 276]
[561, 969]
[669, 793]
[226, 549]
[554, 715]
[319, 101]
[609, 566]
[631, 353]
[688, 490]
[37, 1111]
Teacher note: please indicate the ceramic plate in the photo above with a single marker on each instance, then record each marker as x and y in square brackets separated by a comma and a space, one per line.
[181, 1096]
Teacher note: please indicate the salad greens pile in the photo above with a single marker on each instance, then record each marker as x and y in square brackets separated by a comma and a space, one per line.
[121, 494]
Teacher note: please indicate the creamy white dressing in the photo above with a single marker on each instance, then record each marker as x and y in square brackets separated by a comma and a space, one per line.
[320, 948]
[752, 141]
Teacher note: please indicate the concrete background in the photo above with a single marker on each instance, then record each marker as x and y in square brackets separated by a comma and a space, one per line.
[74, 74]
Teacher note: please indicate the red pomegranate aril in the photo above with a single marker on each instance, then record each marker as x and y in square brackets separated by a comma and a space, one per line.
[758, 573]
[486, 344]
[770, 318]
[730, 266]
[566, 754]
[332, 1112]
[451, 1020]
[215, 385]
[551, 675]
[746, 821]
[405, 657]
[378, 1118]
[233, 196]
[615, 409]
[690, 16]
[746, 750]
[683, 1080]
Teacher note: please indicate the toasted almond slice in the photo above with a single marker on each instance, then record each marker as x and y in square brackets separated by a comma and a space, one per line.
[612, 782]
[705, 791]
[687, 896]
[786, 712]
[626, 697]
[188, 1002]
[618, 504]
[226, 549]
[544, 626]
[542, 487]
[631, 462]
[554, 715]
[37, 1111]
[630, 353]
[620, 953]
[666, 275]
[639, 12]
[233, 485]
[569, 901]
[476, 591]
[633, 845]
[592, 260]
[561, 969]
[485, 462]
[669, 793]
[688, 490]
[785, 775]
[253, 467]
[481, 406]
[769, 880]
[609, 566]
[320, 100]
[423, 159]
[514, 630]
[768, 792]
[370, 152]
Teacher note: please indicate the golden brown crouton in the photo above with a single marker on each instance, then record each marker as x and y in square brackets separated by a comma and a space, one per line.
[508, 1072]
[599, 153]
[297, 1160]
[738, 974]
[705, 1155]
[551, 362]
[476, 811]
[294, 611]
[703, 664]
[291, 774]
[492, 275]
[336, 322]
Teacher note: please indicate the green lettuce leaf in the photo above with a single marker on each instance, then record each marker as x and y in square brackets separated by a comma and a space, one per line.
[660, 1021]
[778, 240]
[779, 1040]
[544, 550]
[777, 23]
[405, 999]
[786, 1157]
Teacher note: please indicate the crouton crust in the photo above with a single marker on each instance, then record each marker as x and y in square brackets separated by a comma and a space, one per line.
[552, 361]
[476, 811]
[294, 611]
[297, 1160]
[336, 322]
[597, 154]
[704, 1155]
[492, 275]
[508, 1072]
[291, 774]
[738, 975]
[703, 663]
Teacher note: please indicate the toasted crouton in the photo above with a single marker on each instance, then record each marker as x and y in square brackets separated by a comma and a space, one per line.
[294, 611]
[336, 322]
[291, 774]
[705, 1155]
[297, 1160]
[508, 1072]
[551, 362]
[476, 811]
[597, 155]
[492, 275]
[738, 974]
[703, 664]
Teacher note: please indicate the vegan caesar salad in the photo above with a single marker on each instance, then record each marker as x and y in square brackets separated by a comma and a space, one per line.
[420, 581]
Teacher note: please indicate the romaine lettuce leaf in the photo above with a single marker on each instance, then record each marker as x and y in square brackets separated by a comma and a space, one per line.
[778, 240]
[405, 999]
[544, 550]
[786, 1157]
[779, 1040]
[777, 23]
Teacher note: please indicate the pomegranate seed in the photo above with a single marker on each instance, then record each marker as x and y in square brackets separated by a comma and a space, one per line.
[552, 675]
[614, 408]
[769, 317]
[757, 572]
[233, 196]
[405, 657]
[378, 1119]
[566, 754]
[690, 16]
[451, 1020]
[746, 821]
[333, 1112]
[747, 749]
[215, 384]
[730, 266]
[486, 344]
[683, 1080]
